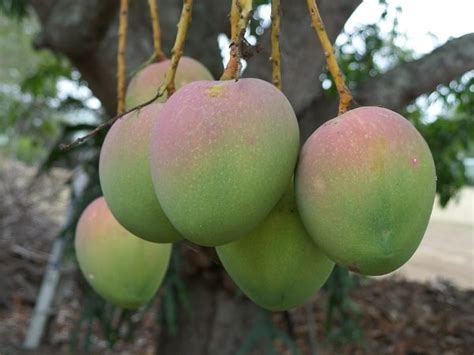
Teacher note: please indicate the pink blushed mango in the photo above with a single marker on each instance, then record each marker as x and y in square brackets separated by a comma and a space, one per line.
[125, 177]
[365, 186]
[222, 154]
[144, 85]
[125, 270]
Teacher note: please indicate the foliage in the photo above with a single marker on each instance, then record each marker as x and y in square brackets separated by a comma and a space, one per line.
[451, 135]
[16, 9]
[35, 112]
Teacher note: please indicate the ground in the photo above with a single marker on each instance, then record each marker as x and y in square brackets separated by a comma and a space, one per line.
[398, 316]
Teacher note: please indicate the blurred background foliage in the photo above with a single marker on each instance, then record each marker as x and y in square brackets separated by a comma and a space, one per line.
[43, 101]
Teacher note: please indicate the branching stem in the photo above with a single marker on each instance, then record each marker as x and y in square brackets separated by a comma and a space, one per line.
[345, 96]
[275, 35]
[244, 8]
[167, 86]
[177, 51]
[122, 40]
[155, 22]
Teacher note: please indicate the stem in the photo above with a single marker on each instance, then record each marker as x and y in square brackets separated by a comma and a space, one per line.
[155, 22]
[345, 96]
[234, 20]
[167, 86]
[276, 61]
[122, 40]
[177, 51]
[110, 122]
[232, 70]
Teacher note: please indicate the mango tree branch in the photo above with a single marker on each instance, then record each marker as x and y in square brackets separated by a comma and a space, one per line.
[345, 96]
[122, 40]
[275, 37]
[155, 22]
[232, 70]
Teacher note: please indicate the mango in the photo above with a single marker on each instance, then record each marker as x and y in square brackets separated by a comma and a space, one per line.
[365, 186]
[277, 265]
[222, 154]
[125, 177]
[144, 85]
[125, 270]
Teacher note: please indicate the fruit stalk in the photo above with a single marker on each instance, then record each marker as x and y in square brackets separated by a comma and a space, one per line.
[155, 22]
[275, 35]
[168, 85]
[177, 51]
[122, 40]
[244, 8]
[345, 96]
[234, 19]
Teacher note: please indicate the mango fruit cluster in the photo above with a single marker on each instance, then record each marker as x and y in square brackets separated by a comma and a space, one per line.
[219, 164]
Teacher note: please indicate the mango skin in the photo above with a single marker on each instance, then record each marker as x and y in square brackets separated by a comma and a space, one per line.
[277, 265]
[365, 187]
[144, 85]
[125, 270]
[125, 178]
[222, 154]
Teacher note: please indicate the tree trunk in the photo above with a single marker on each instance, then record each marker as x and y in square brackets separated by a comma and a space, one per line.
[217, 323]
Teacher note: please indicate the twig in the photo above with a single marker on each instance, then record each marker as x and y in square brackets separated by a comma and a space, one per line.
[155, 22]
[122, 40]
[232, 70]
[345, 96]
[110, 122]
[234, 19]
[36, 256]
[276, 68]
[167, 86]
[177, 51]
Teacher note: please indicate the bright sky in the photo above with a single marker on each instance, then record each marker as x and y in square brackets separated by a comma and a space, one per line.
[419, 18]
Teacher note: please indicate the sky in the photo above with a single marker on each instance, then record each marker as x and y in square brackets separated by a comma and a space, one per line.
[420, 18]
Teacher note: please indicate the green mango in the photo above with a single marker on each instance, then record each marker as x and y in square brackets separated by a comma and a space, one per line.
[125, 270]
[277, 265]
[125, 178]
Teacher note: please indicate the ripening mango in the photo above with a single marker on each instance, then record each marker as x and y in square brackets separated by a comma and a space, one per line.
[365, 186]
[144, 85]
[222, 154]
[125, 270]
